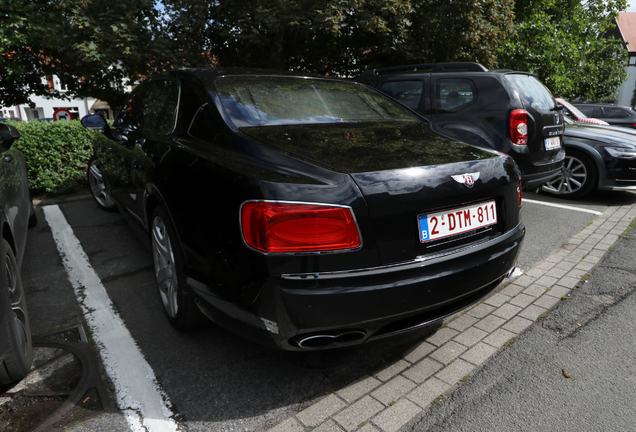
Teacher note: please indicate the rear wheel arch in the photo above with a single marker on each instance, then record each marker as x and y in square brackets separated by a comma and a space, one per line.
[7, 234]
[593, 154]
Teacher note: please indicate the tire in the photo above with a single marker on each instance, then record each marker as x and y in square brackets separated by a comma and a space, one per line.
[178, 302]
[15, 327]
[578, 176]
[99, 185]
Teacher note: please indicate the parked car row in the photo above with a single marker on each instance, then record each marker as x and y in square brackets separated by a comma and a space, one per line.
[308, 212]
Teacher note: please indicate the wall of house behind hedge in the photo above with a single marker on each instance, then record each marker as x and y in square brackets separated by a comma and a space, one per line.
[56, 153]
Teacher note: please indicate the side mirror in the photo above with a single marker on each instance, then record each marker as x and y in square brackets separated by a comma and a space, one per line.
[97, 122]
[8, 134]
[93, 121]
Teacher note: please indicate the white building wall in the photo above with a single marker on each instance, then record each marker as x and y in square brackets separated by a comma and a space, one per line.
[626, 92]
[45, 107]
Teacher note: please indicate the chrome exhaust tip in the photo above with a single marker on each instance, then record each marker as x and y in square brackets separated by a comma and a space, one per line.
[332, 340]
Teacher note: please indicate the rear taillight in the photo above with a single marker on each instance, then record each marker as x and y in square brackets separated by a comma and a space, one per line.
[276, 227]
[519, 193]
[519, 127]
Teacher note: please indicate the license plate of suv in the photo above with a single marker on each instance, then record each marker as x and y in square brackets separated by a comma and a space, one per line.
[552, 143]
[433, 226]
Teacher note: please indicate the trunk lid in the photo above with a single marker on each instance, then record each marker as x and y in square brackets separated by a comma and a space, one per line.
[404, 171]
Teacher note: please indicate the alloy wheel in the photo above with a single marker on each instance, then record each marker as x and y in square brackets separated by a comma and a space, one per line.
[165, 267]
[98, 186]
[572, 178]
[18, 307]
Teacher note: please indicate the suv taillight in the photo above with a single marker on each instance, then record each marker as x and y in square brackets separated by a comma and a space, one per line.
[275, 227]
[519, 127]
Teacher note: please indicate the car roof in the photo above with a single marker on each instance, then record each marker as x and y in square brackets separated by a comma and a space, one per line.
[456, 67]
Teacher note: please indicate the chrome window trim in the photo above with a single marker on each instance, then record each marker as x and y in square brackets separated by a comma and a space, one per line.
[408, 265]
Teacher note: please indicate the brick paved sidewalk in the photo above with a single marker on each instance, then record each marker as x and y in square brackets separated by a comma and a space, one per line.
[390, 399]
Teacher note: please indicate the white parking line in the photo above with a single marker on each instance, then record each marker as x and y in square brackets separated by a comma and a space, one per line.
[144, 405]
[547, 204]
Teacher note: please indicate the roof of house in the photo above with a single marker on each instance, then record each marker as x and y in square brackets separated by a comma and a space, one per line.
[627, 26]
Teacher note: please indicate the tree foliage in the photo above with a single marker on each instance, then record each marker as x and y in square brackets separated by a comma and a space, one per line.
[99, 47]
[96, 48]
[560, 41]
[319, 36]
[461, 30]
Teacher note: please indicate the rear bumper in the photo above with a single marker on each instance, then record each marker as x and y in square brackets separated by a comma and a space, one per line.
[536, 174]
[532, 181]
[315, 311]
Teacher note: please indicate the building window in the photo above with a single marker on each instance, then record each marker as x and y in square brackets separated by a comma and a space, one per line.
[632, 61]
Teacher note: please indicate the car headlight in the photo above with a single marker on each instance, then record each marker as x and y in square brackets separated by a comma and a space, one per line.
[622, 152]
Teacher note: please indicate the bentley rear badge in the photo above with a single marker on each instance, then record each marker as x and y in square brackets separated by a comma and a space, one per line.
[467, 179]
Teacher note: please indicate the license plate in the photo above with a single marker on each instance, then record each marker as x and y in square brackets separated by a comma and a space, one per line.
[552, 143]
[447, 223]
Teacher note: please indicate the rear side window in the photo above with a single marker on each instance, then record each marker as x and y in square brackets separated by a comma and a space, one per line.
[532, 92]
[615, 113]
[408, 93]
[454, 94]
[144, 110]
[591, 111]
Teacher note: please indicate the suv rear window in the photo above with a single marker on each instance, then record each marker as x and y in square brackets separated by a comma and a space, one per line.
[408, 93]
[615, 113]
[533, 92]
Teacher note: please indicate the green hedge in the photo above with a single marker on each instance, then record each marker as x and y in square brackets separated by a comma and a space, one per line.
[56, 153]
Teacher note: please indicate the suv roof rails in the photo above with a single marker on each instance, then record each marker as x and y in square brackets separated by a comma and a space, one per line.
[433, 67]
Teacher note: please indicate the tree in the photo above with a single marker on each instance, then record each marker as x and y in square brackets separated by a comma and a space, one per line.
[561, 42]
[96, 48]
[461, 30]
[319, 36]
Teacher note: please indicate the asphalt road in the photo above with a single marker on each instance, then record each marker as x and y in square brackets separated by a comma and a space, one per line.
[214, 379]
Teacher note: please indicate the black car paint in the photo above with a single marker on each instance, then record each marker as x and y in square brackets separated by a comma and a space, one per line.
[614, 173]
[16, 215]
[484, 122]
[275, 298]
[600, 111]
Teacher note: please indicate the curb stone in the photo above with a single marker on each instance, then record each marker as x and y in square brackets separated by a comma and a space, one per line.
[466, 341]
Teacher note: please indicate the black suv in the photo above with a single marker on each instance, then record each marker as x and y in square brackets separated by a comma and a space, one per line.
[507, 111]
[616, 115]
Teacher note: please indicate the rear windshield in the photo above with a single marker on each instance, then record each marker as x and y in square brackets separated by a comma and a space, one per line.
[262, 101]
[533, 92]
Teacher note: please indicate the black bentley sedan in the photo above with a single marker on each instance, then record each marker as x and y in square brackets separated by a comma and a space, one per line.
[304, 212]
[16, 215]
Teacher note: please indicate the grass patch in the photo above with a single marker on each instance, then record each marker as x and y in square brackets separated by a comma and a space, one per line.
[543, 316]
[438, 400]
[628, 229]
[513, 340]
[585, 277]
